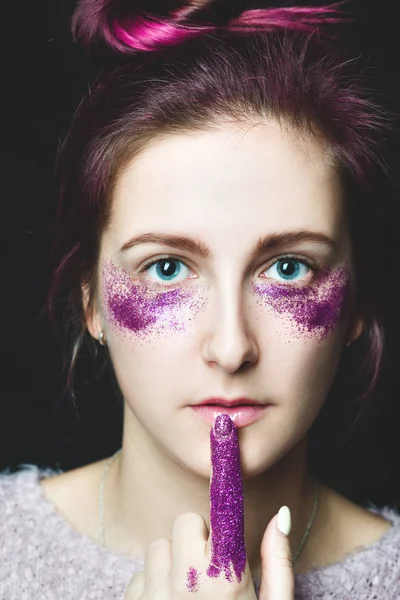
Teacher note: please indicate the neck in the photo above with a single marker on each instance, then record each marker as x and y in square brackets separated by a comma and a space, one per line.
[146, 489]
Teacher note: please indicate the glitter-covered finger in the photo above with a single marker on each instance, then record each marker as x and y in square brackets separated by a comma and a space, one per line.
[226, 501]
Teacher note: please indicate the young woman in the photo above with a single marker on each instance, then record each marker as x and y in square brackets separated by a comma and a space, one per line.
[215, 208]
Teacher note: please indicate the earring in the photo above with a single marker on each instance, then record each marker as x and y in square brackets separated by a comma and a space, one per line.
[100, 338]
[349, 343]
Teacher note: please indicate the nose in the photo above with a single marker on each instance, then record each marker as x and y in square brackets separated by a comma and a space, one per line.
[227, 341]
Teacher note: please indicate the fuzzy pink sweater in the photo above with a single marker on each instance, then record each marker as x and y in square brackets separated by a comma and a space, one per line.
[43, 558]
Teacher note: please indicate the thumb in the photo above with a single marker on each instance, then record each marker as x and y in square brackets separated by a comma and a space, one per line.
[277, 575]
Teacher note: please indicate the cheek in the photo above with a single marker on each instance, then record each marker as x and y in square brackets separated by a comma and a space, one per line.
[139, 311]
[312, 311]
[301, 365]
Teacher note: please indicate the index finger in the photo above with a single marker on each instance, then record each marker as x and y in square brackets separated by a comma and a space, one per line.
[226, 501]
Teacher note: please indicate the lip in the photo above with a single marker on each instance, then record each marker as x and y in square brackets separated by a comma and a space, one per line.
[229, 403]
[242, 416]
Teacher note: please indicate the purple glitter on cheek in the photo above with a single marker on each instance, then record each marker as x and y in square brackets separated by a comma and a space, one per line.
[137, 308]
[313, 308]
[226, 501]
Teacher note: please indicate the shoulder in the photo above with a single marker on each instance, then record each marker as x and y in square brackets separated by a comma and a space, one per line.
[354, 547]
[41, 551]
[31, 495]
[351, 526]
[19, 489]
[75, 496]
[21, 525]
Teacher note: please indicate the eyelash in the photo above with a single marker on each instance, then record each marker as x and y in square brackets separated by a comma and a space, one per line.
[315, 269]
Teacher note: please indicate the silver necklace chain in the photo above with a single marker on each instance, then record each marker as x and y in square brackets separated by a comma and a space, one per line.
[101, 505]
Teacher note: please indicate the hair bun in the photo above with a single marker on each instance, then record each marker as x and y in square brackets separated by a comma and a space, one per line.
[154, 24]
[107, 22]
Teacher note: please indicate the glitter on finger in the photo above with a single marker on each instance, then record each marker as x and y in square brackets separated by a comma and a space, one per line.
[192, 580]
[226, 501]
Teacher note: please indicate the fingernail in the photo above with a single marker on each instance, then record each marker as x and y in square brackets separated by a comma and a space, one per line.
[223, 426]
[284, 522]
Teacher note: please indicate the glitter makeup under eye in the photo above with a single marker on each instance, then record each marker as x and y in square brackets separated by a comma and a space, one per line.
[226, 501]
[315, 309]
[138, 309]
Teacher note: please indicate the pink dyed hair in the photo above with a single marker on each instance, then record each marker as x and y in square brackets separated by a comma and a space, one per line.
[233, 63]
[148, 33]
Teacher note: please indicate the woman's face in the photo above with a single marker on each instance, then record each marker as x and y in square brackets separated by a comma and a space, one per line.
[225, 272]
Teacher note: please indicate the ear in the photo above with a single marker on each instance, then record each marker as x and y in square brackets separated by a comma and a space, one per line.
[355, 329]
[91, 313]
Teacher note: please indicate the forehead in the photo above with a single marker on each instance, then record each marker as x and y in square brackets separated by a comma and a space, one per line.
[261, 178]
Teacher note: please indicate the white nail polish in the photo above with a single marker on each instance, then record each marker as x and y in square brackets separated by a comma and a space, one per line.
[284, 520]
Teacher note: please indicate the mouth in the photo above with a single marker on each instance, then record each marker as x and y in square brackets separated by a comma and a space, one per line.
[241, 414]
[216, 401]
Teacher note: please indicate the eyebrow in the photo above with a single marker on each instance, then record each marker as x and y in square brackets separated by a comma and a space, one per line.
[263, 245]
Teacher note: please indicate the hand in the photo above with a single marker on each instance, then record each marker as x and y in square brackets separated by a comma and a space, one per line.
[215, 566]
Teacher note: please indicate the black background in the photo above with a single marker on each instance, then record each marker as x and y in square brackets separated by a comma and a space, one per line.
[43, 76]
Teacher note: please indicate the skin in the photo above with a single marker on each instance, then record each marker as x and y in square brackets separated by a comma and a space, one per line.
[225, 188]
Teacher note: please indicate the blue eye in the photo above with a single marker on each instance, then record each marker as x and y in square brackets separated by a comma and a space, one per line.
[168, 269]
[288, 269]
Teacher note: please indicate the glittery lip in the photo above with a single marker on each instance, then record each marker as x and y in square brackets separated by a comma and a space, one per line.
[315, 308]
[136, 308]
[226, 501]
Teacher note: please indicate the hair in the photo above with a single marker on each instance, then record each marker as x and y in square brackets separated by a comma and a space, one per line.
[177, 67]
